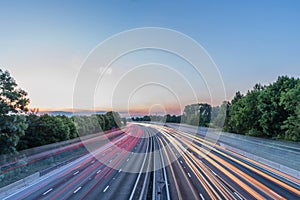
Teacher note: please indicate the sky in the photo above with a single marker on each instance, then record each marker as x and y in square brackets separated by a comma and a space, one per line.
[44, 44]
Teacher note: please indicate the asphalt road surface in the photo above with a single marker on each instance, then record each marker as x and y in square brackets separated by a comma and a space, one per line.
[150, 161]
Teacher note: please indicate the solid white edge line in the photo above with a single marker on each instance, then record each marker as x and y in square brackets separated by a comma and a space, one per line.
[138, 178]
[60, 170]
[164, 171]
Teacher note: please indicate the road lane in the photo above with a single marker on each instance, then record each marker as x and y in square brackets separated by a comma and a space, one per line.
[173, 165]
[264, 188]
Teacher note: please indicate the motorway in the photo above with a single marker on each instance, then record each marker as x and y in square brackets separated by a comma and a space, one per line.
[149, 161]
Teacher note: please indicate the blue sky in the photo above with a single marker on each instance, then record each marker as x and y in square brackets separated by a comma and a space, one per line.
[43, 43]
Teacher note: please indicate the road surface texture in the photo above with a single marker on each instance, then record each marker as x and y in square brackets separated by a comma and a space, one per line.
[281, 152]
[151, 161]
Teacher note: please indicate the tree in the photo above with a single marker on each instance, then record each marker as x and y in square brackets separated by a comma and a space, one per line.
[101, 121]
[43, 130]
[71, 125]
[13, 103]
[273, 113]
[269, 111]
[87, 124]
[219, 115]
[291, 102]
[114, 118]
[30, 139]
[244, 114]
[197, 114]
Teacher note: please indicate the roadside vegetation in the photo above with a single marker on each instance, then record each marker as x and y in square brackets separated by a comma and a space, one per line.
[47, 129]
[21, 128]
[271, 111]
[267, 111]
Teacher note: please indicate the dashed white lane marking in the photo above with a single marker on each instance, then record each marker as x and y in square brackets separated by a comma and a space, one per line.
[214, 173]
[110, 161]
[75, 173]
[127, 160]
[238, 195]
[77, 190]
[92, 161]
[98, 171]
[189, 175]
[120, 170]
[181, 162]
[48, 191]
[106, 188]
[202, 196]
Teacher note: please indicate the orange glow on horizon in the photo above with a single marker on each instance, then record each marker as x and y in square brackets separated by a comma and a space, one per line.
[132, 112]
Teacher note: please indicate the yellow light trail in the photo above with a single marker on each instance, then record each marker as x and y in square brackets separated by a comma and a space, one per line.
[247, 166]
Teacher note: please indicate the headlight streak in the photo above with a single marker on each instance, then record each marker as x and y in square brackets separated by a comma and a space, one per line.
[210, 190]
[172, 154]
[184, 138]
[205, 143]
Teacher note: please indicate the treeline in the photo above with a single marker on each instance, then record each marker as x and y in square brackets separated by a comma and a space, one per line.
[157, 118]
[197, 114]
[47, 129]
[21, 129]
[267, 111]
[271, 111]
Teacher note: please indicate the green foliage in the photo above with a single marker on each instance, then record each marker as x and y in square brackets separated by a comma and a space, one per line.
[267, 111]
[197, 114]
[291, 126]
[21, 131]
[219, 115]
[156, 118]
[172, 118]
[71, 125]
[97, 123]
[48, 129]
[44, 130]
[13, 102]
[114, 118]
[141, 119]
[244, 113]
[86, 124]
[273, 113]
